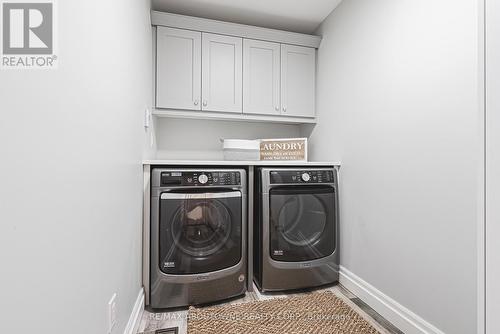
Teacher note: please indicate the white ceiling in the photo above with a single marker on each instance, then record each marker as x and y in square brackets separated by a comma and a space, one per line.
[293, 15]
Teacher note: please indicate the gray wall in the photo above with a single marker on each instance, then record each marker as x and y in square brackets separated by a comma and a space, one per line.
[399, 107]
[200, 139]
[71, 145]
[492, 166]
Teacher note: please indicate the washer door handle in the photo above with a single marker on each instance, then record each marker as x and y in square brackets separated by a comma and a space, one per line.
[208, 195]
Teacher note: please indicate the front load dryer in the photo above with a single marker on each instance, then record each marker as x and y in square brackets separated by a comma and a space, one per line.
[198, 236]
[296, 228]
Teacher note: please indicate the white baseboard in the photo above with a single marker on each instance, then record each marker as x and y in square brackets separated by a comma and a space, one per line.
[397, 314]
[135, 316]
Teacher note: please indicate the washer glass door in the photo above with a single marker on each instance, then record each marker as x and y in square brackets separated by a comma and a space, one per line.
[199, 232]
[302, 223]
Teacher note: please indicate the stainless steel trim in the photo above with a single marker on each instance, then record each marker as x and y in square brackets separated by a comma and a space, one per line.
[250, 227]
[208, 195]
[289, 185]
[146, 207]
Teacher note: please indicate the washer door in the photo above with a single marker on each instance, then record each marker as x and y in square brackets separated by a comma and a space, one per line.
[302, 223]
[199, 232]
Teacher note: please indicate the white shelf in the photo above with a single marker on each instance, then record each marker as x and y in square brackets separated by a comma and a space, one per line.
[237, 163]
[210, 115]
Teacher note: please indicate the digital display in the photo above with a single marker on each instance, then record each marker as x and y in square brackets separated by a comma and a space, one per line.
[302, 176]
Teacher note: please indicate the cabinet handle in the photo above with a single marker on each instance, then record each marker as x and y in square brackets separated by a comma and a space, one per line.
[195, 102]
[277, 108]
[284, 109]
[205, 103]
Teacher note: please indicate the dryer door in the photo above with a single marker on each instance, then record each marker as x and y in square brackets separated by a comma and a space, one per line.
[301, 223]
[199, 232]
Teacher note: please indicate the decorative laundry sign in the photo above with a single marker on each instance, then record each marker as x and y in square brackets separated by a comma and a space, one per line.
[284, 149]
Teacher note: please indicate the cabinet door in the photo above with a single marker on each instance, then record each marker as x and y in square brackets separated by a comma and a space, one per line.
[222, 72]
[178, 69]
[261, 77]
[298, 80]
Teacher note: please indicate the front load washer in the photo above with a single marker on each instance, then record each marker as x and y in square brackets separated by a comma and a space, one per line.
[296, 228]
[198, 236]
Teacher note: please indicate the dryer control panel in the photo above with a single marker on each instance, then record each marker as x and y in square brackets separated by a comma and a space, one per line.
[302, 176]
[200, 178]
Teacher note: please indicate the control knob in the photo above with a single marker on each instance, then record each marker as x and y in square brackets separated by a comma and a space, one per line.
[306, 177]
[203, 179]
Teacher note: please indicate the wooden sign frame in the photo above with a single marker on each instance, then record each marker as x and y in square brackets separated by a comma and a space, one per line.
[283, 149]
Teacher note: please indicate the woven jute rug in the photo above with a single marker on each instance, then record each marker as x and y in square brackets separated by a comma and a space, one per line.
[318, 313]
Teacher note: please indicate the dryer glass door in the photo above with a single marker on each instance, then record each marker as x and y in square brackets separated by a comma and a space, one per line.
[301, 223]
[199, 232]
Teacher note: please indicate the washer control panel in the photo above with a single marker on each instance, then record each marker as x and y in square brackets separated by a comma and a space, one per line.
[302, 176]
[200, 178]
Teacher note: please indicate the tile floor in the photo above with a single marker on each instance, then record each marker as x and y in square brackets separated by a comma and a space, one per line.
[152, 321]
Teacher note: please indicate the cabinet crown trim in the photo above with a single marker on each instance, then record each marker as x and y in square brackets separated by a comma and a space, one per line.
[233, 29]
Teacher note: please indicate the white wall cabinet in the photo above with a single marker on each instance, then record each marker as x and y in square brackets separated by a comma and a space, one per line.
[208, 75]
[298, 80]
[278, 79]
[178, 69]
[221, 73]
[261, 77]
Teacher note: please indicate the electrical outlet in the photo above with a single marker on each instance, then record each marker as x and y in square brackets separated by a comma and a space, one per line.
[147, 118]
[111, 313]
